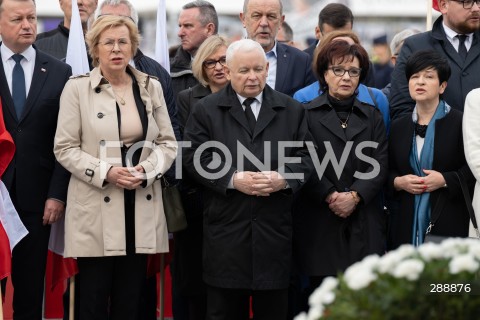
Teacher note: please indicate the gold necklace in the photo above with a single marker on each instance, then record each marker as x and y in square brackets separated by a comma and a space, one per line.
[344, 124]
[122, 98]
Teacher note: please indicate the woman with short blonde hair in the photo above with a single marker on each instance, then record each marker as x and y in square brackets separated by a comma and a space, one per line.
[115, 137]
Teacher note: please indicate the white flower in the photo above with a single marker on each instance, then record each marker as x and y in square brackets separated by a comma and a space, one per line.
[371, 261]
[388, 262]
[405, 251]
[324, 293]
[301, 316]
[358, 276]
[429, 251]
[409, 269]
[474, 249]
[464, 262]
[453, 247]
[315, 312]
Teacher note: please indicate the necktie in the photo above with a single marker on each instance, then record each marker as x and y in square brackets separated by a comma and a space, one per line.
[249, 113]
[462, 49]
[19, 93]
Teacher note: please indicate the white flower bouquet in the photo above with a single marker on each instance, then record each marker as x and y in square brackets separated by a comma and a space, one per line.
[433, 281]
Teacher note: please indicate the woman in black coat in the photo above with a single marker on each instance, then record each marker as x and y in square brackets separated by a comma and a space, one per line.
[208, 68]
[427, 158]
[339, 215]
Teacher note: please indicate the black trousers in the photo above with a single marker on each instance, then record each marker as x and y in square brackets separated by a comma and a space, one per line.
[233, 304]
[111, 286]
[29, 260]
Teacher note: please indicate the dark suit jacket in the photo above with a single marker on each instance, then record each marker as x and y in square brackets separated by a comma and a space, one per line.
[34, 170]
[448, 158]
[294, 69]
[464, 76]
[247, 239]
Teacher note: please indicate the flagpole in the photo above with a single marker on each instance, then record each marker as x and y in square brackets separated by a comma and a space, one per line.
[1, 303]
[71, 309]
[162, 286]
[429, 14]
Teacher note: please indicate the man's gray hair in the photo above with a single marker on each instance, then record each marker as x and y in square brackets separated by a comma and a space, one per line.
[208, 14]
[114, 3]
[245, 5]
[244, 45]
[399, 38]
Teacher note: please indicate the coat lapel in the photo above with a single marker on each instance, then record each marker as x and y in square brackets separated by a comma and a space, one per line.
[228, 98]
[40, 74]
[282, 66]
[332, 123]
[267, 111]
[474, 51]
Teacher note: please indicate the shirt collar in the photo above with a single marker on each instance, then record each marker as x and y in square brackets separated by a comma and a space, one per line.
[273, 51]
[259, 98]
[28, 54]
[452, 34]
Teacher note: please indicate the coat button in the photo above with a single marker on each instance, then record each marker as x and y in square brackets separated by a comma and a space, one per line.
[99, 115]
[19, 130]
[106, 199]
[149, 197]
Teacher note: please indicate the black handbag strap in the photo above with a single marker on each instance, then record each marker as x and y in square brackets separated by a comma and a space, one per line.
[468, 201]
[437, 210]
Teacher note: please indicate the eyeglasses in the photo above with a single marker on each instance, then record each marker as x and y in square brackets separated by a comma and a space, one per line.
[210, 64]
[352, 72]
[468, 4]
[109, 44]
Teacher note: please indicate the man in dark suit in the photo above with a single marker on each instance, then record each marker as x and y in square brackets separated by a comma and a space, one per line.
[247, 213]
[459, 20]
[30, 86]
[289, 68]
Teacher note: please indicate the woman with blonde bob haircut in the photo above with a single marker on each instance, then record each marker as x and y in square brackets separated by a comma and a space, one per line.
[107, 22]
[208, 67]
[115, 137]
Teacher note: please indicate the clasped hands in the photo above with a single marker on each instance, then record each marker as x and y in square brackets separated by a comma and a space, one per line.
[126, 177]
[341, 204]
[417, 185]
[258, 183]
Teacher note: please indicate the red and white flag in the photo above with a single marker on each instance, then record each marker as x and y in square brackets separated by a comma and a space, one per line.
[12, 229]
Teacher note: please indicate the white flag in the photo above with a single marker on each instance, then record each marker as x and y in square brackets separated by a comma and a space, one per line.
[161, 44]
[76, 50]
[9, 218]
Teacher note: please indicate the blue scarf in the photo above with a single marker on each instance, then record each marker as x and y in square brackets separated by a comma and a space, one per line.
[422, 212]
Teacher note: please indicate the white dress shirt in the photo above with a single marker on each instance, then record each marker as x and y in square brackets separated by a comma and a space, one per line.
[452, 37]
[27, 63]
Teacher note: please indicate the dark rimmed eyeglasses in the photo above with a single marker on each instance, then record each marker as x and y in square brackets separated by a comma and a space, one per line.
[352, 72]
[468, 4]
[210, 64]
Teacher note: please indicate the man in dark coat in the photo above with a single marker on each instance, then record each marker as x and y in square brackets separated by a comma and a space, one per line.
[55, 42]
[455, 20]
[290, 69]
[247, 214]
[197, 21]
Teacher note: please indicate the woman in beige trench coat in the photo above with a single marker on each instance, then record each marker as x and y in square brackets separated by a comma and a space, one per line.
[115, 137]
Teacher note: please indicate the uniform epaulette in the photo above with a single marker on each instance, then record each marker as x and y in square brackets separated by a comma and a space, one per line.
[80, 76]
